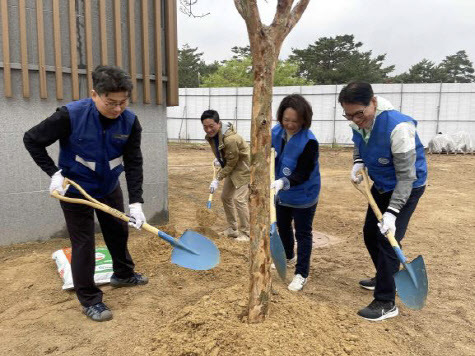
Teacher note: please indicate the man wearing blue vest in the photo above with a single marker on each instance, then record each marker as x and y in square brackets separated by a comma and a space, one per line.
[99, 138]
[297, 184]
[387, 144]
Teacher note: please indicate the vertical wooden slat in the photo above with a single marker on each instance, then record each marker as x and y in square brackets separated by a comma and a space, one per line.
[117, 34]
[24, 49]
[74, 53]
[40, 29]
[171, 52]
[58, 62]
[158, 51]
[132, 59]
[7, 78]
[88, 28]
[103, 26]
[145, 54]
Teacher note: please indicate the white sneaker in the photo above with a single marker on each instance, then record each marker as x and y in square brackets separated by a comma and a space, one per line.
[297, 283]
[230, 232]
[242, 237]
[290, 262]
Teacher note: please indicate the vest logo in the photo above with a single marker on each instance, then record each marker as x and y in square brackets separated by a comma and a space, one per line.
[383, 160]
[287, 172]
[120, 137]
[100, 256]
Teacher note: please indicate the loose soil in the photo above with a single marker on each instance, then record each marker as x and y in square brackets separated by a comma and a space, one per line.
[185, 312]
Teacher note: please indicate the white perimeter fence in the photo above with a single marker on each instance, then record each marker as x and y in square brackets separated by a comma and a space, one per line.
[440, 107]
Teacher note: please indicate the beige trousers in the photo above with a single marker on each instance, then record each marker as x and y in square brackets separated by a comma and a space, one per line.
[236, 199]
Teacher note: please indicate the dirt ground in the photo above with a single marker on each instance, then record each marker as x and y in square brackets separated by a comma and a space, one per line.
[185, 312]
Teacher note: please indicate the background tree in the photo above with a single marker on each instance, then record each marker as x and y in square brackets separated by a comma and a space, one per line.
[265, 43]
[241, 52]
[423, 72]
[458, 68]
[338, 60]
[191, 67]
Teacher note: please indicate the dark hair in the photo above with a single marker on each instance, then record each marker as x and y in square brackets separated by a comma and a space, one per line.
[356, 93]
[111, 79]
[210, 114]
[299, 104]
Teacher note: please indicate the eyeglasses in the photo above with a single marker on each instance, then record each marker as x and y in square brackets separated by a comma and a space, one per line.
[358, 114]
[114, 104]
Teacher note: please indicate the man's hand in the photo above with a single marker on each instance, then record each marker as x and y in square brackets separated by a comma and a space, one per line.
[56, 183]
[137, 215]
[356, 168]
[277, 185]
[213, 186]
[388, 223]
[216, 163]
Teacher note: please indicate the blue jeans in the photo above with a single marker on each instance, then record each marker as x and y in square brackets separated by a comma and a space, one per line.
[302, 218]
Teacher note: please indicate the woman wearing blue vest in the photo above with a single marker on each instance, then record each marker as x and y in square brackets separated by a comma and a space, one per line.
[99, 139]
[297, 183]
[387, 144]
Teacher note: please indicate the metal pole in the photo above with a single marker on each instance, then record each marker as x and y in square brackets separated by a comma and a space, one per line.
[236, 110]
[334, 116]
[400, 101]
[438, 109]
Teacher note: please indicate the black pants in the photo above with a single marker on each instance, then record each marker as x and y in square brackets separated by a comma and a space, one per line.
[80, 224]
[303, 218]
[381, 252]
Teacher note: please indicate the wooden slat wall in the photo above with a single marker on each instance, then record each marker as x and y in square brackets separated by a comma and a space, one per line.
[7, 79]
[157, 8]
[41, 48]
[58, 62]
[172, 52]
[24, 49]
[114, 15]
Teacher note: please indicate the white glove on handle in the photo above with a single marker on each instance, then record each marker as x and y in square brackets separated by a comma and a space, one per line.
[356, 168]
[277, 185]
[216, 163]
[388, 223]
[213, 186]
[137, 215]
[56, 183]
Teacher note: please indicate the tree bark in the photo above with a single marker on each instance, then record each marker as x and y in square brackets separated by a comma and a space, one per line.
[265, 42]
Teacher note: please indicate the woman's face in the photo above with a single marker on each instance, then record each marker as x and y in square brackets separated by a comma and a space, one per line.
[291, 121]
[361, 115]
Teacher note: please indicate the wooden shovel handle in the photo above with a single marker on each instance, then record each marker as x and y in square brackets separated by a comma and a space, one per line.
[273, 217]
[214, 177]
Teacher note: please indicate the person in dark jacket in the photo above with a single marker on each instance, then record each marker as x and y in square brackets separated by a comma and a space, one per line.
[99, 138]
[297, 183]
[386, 143]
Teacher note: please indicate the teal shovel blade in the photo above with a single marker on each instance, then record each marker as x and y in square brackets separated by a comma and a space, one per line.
[200, 252]
[277, 252]
[412, 285]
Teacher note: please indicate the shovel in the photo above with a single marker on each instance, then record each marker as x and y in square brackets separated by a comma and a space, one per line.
[210, 198]
[191, 250]
[411, 282]
[277, 251]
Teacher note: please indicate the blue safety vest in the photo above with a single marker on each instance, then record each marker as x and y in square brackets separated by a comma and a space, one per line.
[377, 155]
[92, 154]
[305, 194]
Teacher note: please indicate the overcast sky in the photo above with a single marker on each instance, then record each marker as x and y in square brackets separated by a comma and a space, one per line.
[406, 30]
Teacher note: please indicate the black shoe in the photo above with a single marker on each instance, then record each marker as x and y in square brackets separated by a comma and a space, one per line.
[379, 310]
[369, 283]
[136, 280]
[98, 312]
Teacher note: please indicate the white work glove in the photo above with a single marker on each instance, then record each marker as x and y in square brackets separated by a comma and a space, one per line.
[216, 163]
[213, 186]
[356, 168]
[137, 215]
[277, 185]
[388, 223]
[56, 183]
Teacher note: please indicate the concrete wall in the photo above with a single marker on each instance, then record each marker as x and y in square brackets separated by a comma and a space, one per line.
[27, 212]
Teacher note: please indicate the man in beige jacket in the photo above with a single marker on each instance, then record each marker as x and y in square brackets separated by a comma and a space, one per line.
[232, 159]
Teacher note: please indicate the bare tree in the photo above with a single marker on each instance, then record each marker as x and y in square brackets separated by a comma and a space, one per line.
[186, 7]
[266, 42]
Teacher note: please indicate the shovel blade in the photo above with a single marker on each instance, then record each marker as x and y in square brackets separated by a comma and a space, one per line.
[201, 253]
[277, 252]
[412, 285]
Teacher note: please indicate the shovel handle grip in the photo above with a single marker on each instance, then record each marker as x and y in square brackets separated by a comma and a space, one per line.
[364, 188]
[273, 215]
